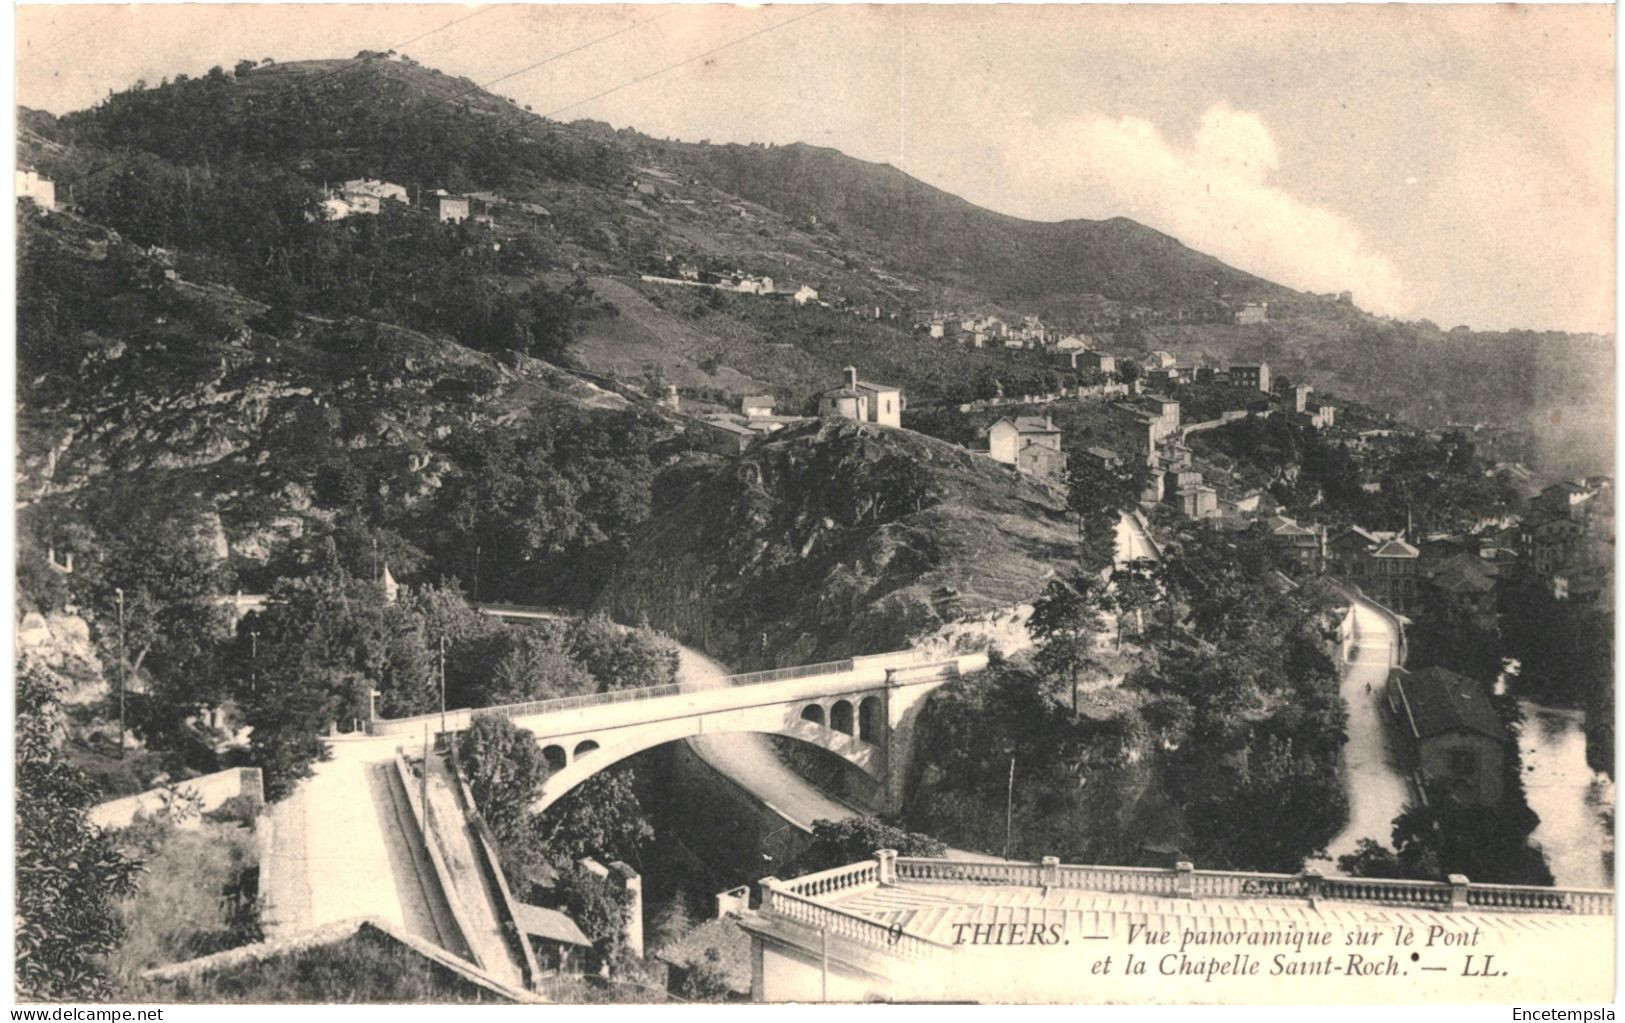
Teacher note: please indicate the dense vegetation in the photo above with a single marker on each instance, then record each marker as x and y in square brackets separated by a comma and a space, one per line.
[369, 967]
[1233, 716]
[70, 875]
[1408, 480]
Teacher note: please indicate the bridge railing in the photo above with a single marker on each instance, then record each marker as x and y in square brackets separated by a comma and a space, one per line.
[753, 678]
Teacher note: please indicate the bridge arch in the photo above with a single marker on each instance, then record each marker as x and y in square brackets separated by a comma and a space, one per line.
[840, 716]
[555, 756]
[601, 747]
[871, 719]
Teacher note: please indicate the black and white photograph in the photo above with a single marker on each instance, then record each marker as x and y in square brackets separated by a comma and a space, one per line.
[662, 504]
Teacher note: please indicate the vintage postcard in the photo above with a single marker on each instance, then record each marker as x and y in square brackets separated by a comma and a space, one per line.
[814, 503]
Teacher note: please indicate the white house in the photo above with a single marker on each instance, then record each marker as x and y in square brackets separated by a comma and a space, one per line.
[41, 190]
[1007, 437]
[803, 295]
[372, 186]
[862, 401]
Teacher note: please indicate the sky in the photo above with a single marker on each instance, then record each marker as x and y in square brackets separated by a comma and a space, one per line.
[1454, 163]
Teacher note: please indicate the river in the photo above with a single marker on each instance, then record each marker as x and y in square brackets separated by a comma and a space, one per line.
[1571, 800]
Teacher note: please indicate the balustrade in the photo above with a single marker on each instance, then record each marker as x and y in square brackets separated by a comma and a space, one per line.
[1215, 884]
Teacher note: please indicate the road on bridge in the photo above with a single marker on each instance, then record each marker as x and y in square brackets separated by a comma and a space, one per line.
[749, 761]
[1377, 791]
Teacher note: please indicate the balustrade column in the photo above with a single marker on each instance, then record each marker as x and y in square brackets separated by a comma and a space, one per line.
[1185, 880]
[887, 862]
[1458, 891]
[1314, 883]
[1049, 871]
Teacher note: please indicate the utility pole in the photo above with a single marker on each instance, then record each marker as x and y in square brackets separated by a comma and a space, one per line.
[121, 669]
[253, 660]
[442, 685]
[1009, 805]
[476, 575]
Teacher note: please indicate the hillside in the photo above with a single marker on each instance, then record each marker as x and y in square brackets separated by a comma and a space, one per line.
[837, 538]
[1047, 267]
[863, 234]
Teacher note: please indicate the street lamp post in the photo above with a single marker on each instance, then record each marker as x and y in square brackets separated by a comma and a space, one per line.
[442, 685]
[254, 660]
[120, 594]
[1009, 805]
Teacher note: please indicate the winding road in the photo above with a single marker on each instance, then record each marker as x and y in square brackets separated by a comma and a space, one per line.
[1377, 791]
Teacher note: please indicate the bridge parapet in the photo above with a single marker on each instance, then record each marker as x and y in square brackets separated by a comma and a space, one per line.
[865, 670]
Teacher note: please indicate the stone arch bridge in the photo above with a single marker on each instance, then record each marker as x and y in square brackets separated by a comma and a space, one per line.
[863, 709]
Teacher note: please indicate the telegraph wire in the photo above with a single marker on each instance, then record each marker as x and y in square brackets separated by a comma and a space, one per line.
[527, 68]
[533, 118]
[81, 28]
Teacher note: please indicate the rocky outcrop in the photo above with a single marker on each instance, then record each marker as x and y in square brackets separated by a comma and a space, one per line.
[838, 538]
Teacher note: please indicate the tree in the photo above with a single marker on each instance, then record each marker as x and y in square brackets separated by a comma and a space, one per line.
[505, 770]
[598, 905]
[70, 876]
[837, 843]
[706, 980]
[621, 658]
[601, 818]
[1065, 620]
[324, 644]
[1134, 589]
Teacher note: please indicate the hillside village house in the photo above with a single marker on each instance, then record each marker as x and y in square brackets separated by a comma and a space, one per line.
[1300, 543]
[1548, 542]
[1031, 444]
[367, 195]
[1072, 343]
[1253, 312]
[1166, 410]
[721, 436]
[1139, 429]
[450, 209]
[1469, 582]
[1105, 362]
[1198, 501]
[1252, 377]
[1454, 737]
[1392, 577]
[1308, 413]
[1160, 359]
[1039, 460]
[863, 401]
[41, 191]
[1386, 567]
[803, 295]
[756, 405]
[1162, 377]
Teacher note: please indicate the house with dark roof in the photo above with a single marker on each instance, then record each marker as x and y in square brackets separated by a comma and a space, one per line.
[1469, 582]
[1385, 566]
[1298, 542]
[721, 436]
[864, 401]
[1030, 443]
[1452, 735]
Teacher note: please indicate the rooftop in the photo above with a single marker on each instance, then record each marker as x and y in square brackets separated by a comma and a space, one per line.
[914, 914]
[1034, 424]
[1396, 549]
[1437, 700]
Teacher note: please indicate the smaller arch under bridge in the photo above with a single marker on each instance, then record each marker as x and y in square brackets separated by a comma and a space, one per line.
[863, 709]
